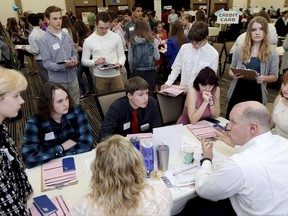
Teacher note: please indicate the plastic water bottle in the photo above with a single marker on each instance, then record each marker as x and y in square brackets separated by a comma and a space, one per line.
[147, 152]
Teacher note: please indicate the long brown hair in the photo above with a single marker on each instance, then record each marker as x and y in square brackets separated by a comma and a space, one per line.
[264, 49]
[177, 30]
[66, 23]
[82, 30]
[141, 30]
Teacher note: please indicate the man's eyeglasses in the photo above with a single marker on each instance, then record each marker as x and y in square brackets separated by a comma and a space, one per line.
[226, 129]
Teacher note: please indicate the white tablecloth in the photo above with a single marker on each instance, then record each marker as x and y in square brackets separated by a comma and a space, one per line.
[73, 193]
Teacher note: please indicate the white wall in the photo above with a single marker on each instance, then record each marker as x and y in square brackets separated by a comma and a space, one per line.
[6, 11]
[41, 5]
[27, 5]
[267, 4]
[239, 4]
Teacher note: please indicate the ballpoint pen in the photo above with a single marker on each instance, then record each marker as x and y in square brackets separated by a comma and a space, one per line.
[177, 173]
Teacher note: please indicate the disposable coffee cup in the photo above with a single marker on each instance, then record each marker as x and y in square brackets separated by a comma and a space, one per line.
[188, 154]
[162, 152]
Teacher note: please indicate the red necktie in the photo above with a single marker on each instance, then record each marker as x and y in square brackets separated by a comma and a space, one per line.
[135, 127]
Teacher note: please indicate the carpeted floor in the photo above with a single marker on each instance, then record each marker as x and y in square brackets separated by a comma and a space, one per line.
[89, 105]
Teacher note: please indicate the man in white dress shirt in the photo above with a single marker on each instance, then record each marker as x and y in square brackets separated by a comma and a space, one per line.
[255, 178]
[193, 57]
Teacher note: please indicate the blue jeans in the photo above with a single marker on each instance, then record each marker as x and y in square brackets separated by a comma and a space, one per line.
[86, 70]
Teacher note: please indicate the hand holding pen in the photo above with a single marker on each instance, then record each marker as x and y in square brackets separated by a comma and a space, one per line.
[207, 147]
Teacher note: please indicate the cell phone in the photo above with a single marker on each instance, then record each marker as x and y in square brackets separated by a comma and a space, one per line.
[216, 126]
[212, 120]
[62, 62]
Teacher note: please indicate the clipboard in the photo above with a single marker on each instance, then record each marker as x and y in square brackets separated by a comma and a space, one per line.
[56, 166]
[248, 74]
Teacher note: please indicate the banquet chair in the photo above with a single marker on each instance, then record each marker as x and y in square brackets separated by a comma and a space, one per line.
[220, 48]
[103, 101]
[171, 108]
[228, 59]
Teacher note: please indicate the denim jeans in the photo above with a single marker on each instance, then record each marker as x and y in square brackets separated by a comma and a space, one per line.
[86, 70]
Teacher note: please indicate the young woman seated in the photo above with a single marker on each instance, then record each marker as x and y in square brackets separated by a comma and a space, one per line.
[57, 129]
[203, 99]
[280, 110]
[118, 184]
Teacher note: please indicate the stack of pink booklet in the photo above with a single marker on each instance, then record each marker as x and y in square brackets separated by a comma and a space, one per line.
[202, 130]
[54, 176]
[173, 90]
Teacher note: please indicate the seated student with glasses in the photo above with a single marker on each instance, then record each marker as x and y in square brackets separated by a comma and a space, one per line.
[194, 56]
[203, 99]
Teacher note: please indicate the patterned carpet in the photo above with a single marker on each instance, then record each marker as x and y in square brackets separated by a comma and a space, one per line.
[89, 105]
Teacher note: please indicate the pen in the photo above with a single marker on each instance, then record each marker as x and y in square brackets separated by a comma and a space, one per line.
[177, 173]
[185, 185]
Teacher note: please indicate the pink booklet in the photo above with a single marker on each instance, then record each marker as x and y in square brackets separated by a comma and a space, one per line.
[59, 202]
[202, 130]
[173, 90]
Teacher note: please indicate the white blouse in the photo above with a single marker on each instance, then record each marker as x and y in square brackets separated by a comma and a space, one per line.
[155, 200]
[280, 118]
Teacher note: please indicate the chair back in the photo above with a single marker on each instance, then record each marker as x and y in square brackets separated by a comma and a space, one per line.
[171, 108]
[220, 48]
[228, 58]
[228, 45]
[103, 101]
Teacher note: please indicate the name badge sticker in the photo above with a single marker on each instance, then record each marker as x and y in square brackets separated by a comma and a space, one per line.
[126, 126]
[131, 28]
[49, 136]
[56, 46]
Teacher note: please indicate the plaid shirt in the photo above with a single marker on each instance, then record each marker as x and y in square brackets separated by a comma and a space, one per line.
[14, 184]
[43, 138]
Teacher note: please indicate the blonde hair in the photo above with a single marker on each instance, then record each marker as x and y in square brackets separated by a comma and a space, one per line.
[118, 176]
[11, 80]
[264, 50]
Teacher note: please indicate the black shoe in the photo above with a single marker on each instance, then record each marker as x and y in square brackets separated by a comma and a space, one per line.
[82, 97]
[91, 92]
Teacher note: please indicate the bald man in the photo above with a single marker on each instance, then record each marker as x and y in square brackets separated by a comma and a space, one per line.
[255, 178]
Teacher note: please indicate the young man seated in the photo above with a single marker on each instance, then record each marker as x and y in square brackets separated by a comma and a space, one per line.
[135, 113]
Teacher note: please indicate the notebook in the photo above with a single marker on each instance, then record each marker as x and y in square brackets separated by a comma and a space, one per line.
[44, 205]
[59, 202]
[202, 130]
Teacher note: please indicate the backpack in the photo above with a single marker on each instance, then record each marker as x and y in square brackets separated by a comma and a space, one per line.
[13, 63]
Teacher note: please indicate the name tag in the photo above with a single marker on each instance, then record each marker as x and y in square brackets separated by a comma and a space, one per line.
[49, 136]
[131, 28]
[9, 156]
[126, 126]
[56, 46]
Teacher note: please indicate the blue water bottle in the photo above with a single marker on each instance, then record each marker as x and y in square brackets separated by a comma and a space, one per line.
[136, 142]
[148, 155]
